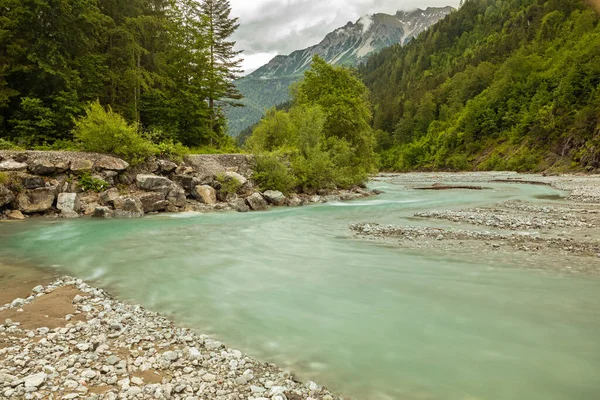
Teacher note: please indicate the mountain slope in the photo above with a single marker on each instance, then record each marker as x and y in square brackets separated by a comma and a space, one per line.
[349, 45]
[499, 84]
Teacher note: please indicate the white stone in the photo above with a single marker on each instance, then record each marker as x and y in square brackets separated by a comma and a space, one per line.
[35, 380]
[17, 303]
[257, 389]
[170, 356]
[38, 289]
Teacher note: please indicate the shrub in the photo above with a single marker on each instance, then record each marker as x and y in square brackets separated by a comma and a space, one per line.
[88, 182]
[3, 178]
[104, 131]
[271, 173]
[6, 145]
[229, 185]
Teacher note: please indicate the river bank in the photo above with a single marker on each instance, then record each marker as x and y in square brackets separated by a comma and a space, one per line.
[68, 340]
[564, 228]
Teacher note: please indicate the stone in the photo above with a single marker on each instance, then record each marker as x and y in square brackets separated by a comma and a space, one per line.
[208, 377]
[17, 303]
[12, 165]
[206, 194]
[153, 202]
[128, 207]
[239, 178]
[275, 197]
[112, 164]
[34, 381]
[81, 166]
[36, 200]
[88, 374]
[15, 215]
[170, 356]
[194, 353]
[68, 204]
[256, 202]
[33, 182]
[240, 205]
[42, 167]
[153, 183]
[6, 378]
[257, 389]
[176, 196]
[275, 390]
[6, 196]
[294, 201]
[109, 196]
[166, 166]
[102, 212]
[38, 289]
[112, 360]
[187, 181]
[137, 381]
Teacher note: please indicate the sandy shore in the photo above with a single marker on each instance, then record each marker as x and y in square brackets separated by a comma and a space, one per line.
[68, 340]
[552, 234]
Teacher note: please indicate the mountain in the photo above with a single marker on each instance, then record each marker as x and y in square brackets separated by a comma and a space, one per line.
[498, 85]
[349, 45]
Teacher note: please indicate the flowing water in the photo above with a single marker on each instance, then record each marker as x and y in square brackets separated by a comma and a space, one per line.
[368, 320]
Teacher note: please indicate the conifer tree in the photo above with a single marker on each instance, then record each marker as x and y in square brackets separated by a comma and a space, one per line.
[224, 61]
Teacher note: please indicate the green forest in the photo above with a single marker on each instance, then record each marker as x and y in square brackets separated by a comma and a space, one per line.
[496, 85]
[164, 67]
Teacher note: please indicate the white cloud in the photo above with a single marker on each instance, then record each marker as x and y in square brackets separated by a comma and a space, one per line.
[271, 27]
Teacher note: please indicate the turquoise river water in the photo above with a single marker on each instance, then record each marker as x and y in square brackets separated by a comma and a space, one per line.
[370, 321]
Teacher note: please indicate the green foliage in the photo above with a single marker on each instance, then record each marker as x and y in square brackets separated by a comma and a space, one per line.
[229, 185]
[6, 145]
[89, 183]
[171, 150]
[323, 141]
[272, 173]
[104, 131]
[160, 64]
[505, 84]
[3, 178]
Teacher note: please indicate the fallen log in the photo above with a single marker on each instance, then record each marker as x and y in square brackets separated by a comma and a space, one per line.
[520, 181]
[438, 186]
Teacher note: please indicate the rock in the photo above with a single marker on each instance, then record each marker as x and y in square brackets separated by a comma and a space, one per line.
[128, 207]
[102, 212]
[68, 204]
[17, 303]
[34, 381]
[15, 215]
[109, 196]
[257, 389]
[153, 202]
[187, 182]
[42, 167]
[176, 196]
[166, 166]
[239, 178]
[137, 381]
[153, 183]
[6, 196]
[316, 199]
[170, 356]
[294, 201]
[275, 390]
[36, 200]
[38, 289]
[112, 164]
[275, 197]
[6, 378]
[12, 165]
[206, 194]
[33, 182]
[208, 377]
[112, 360]
[256, 202]
[240, 205]
[81, 166]
[194, 353]
[88, 374]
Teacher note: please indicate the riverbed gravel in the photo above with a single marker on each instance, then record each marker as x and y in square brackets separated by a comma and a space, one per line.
[69, 340]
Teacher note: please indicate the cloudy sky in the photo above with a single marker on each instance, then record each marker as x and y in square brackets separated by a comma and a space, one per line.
[272, 27]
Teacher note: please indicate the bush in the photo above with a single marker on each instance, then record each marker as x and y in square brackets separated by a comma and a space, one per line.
[3, 178]
[89, 183]
[174, 151]
[271, 173]
[229, 185]
[104, 131]
[6, 145]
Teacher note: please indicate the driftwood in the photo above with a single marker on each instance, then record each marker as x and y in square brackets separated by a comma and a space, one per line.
[439, 186]
[520, 181]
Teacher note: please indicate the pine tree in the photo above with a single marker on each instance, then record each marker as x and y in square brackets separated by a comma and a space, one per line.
[224, 61]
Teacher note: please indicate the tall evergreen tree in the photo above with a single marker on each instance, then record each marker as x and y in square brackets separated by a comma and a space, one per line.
[224, 61]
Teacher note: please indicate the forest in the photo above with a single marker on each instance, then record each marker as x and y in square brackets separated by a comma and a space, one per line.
[496, 85]
[166, 67]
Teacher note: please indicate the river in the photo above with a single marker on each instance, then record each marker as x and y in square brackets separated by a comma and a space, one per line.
[370, 321]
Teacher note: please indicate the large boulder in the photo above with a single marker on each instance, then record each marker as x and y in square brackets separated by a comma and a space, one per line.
[275, 197]
[206, 194]
[12, 165]
[36, 200]
[68, 204]
[166, 166]
[42, 167]
[128, 207]
[33, 182]
[153, 183]
[81, 166]
[256, 202]
[187, 181]
[153, 202]
[6, 196]
[176, 196]
[237, 177]
[111, 164]
[240, 205]
[109, 196]
[15, 215]
[102, 212]
[294, 201]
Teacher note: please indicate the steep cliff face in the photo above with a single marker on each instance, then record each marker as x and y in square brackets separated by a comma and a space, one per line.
[349, 45]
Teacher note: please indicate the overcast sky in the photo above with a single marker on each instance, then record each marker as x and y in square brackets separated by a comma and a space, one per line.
[272, 27]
